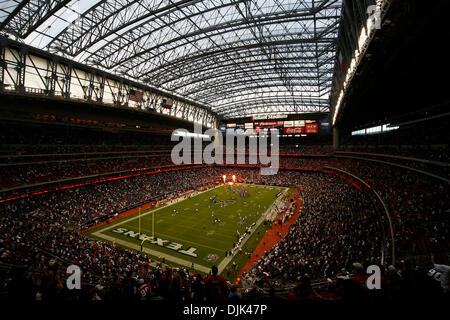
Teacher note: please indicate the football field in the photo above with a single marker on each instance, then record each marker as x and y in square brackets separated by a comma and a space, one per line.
[198, 229]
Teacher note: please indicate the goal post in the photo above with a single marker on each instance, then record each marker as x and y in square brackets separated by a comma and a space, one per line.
[139, 222]
[153, 224]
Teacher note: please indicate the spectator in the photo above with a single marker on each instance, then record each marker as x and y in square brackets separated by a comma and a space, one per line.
[216, 287]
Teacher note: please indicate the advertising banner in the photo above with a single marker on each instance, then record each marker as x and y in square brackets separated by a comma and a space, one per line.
[312, 128]
[324, 127]
[288, 124]
[269, 117]
[297, 130]
[270, 123]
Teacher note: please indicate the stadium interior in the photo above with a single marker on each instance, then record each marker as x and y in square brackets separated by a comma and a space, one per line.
[350, 94]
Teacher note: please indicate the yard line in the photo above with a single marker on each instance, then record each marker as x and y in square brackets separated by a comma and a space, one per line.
[152, 252]
[222, 265]
[168, 257]
[149, 212]
[184, 240]
[172, 222]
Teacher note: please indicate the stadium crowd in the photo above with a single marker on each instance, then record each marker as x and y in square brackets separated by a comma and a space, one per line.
[35, 173]
[337, 227]
[23, 174]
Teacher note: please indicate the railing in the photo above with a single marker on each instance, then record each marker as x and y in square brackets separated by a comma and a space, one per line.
[395, 165]
[382, 155]
[61, 78]
[386, 210]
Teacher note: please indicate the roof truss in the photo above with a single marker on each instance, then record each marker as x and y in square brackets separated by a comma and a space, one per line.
[210, 51]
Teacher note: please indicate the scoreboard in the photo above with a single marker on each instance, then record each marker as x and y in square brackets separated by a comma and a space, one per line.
[286, 127]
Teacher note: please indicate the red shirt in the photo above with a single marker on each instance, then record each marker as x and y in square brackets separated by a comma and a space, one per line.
[216, 288]
[143, 292]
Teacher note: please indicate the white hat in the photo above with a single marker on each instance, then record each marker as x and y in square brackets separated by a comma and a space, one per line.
[99, 287]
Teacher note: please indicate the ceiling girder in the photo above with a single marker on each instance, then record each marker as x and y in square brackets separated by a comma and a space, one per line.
[215, 52]
[29, 15]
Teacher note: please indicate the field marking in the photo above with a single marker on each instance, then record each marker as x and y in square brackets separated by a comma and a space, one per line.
[168, 237]
[155, 253]
[221, 266]
[148, 212]
[190, 218]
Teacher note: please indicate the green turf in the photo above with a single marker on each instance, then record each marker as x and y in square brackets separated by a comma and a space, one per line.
[190, 228]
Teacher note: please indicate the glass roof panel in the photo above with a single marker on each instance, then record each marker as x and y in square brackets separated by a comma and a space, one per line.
[217, 52]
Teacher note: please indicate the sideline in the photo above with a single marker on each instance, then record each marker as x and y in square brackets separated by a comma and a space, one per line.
[228, 259]
[271, 238]
[222, 265]
[155, 253]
